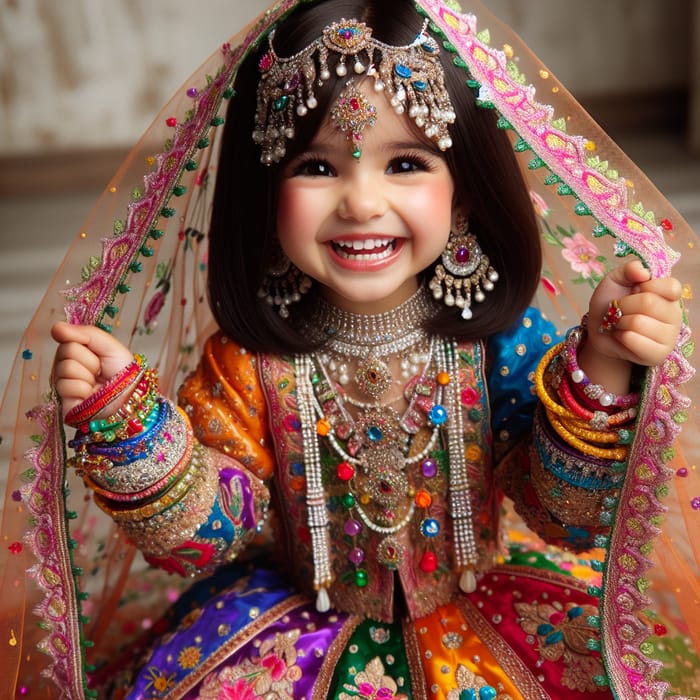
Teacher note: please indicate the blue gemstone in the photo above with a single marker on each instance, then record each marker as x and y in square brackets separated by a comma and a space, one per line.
[403, 71]
[487, 693]
[430, 527]
[375, 434]
[420, 85]
[438, 415]
[468, 694]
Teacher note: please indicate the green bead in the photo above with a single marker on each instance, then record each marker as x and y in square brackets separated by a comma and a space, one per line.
[361, 578]
[280, 103]
[348, 500]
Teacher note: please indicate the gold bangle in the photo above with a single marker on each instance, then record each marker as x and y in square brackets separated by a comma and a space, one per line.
[169, 499]
[583, 430]
[618, 454]
[540, 388]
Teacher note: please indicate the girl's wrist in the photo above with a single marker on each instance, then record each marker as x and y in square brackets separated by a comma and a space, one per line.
[613, 373]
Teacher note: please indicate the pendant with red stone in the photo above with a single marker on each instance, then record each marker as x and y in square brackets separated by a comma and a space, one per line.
[390, 552]
[428, 562]
[462, 254]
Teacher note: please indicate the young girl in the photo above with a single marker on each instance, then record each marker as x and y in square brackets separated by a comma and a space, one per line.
[333, 469]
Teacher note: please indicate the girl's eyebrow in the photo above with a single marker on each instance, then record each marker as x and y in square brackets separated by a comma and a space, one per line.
[418, 145]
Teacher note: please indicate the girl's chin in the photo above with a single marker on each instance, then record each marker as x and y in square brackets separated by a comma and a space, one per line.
[370, 299]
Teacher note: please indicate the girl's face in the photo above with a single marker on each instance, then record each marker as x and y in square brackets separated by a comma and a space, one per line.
[364, 229]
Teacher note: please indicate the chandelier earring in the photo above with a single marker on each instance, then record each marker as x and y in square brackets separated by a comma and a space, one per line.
[464, 273]
[284, 283]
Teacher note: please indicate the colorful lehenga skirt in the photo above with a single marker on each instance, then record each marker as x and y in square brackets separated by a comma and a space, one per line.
[525, 633]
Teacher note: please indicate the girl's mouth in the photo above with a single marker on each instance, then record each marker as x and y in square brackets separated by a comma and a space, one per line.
[364, 249]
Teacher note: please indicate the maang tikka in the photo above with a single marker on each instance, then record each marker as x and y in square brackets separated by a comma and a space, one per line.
[465, 272]
[284, 283]
[411, 76]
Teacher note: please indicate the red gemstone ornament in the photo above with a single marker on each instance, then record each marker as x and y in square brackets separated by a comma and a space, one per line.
[666, 225]
[345, 471]
[171, 121]
[428, 562]
[462, 255]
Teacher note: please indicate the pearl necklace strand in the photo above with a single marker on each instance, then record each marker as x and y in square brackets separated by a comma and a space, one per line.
[460, 498]
[315, 494]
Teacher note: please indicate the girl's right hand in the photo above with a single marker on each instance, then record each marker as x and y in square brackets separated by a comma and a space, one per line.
[86, 359]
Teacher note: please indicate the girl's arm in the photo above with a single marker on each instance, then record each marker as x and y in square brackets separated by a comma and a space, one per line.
[186, 506]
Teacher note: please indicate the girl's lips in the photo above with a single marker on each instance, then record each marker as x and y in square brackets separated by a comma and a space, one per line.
[365, 253]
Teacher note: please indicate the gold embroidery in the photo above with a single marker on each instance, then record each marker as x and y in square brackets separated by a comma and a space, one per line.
[563, 632]
[373, 683]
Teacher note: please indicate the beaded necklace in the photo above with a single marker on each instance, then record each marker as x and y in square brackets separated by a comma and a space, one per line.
[367, 342]
[372, 449]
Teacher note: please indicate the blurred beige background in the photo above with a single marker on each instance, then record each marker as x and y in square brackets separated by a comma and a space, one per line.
[81, 79]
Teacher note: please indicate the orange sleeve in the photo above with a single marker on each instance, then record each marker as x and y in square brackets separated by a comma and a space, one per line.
[224, 399]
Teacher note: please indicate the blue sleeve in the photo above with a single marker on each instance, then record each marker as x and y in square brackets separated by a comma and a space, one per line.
[511, 359]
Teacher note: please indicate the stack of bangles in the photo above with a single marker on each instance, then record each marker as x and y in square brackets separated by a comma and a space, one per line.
[584, 415]
[139, 460]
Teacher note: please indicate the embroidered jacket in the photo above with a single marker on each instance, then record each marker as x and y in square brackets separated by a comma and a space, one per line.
[245, 406]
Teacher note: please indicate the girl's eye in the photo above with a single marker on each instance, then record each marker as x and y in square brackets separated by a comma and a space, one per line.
[407, 164]
[314, 168]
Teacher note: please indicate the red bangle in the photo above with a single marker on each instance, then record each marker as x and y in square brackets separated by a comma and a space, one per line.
[106, 394]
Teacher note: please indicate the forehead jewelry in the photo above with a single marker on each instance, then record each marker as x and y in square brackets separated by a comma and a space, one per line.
[352, 112]
[411, 76]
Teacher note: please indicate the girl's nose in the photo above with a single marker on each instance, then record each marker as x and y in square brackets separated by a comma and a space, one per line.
[363, 198]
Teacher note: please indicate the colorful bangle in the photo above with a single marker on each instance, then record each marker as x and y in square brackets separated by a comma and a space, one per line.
[153, 491]
[597, 420]
[174, 443]
[146, 392]
[106, 394]
[159, 534]
[124, 432]
[593, 392]
[82, 462]
[148, 510]
[618, 454]
[543, 394]
[127, 451]
[583, 430]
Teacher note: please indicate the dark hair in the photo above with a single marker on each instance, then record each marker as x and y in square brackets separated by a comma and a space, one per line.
[482, 162]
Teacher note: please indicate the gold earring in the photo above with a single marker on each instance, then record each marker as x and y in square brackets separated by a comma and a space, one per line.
[284, 283]
[464, 274]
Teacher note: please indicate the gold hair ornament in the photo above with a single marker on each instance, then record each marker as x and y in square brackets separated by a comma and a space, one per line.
[411, 76]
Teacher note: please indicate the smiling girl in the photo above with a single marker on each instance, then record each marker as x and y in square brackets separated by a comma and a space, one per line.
[379, 382]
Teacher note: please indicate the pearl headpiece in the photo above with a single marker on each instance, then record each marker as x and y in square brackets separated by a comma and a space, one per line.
[411, 76]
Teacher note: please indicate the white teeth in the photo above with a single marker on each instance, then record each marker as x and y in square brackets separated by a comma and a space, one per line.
[364, 244]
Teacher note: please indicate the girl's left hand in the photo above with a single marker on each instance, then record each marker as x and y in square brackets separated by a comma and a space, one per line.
[651, 316]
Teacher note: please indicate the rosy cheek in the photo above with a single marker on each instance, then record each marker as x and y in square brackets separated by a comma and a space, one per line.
[291, 207]
[436, 204]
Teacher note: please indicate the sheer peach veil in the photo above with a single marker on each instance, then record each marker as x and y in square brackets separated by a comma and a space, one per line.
[73, 588]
